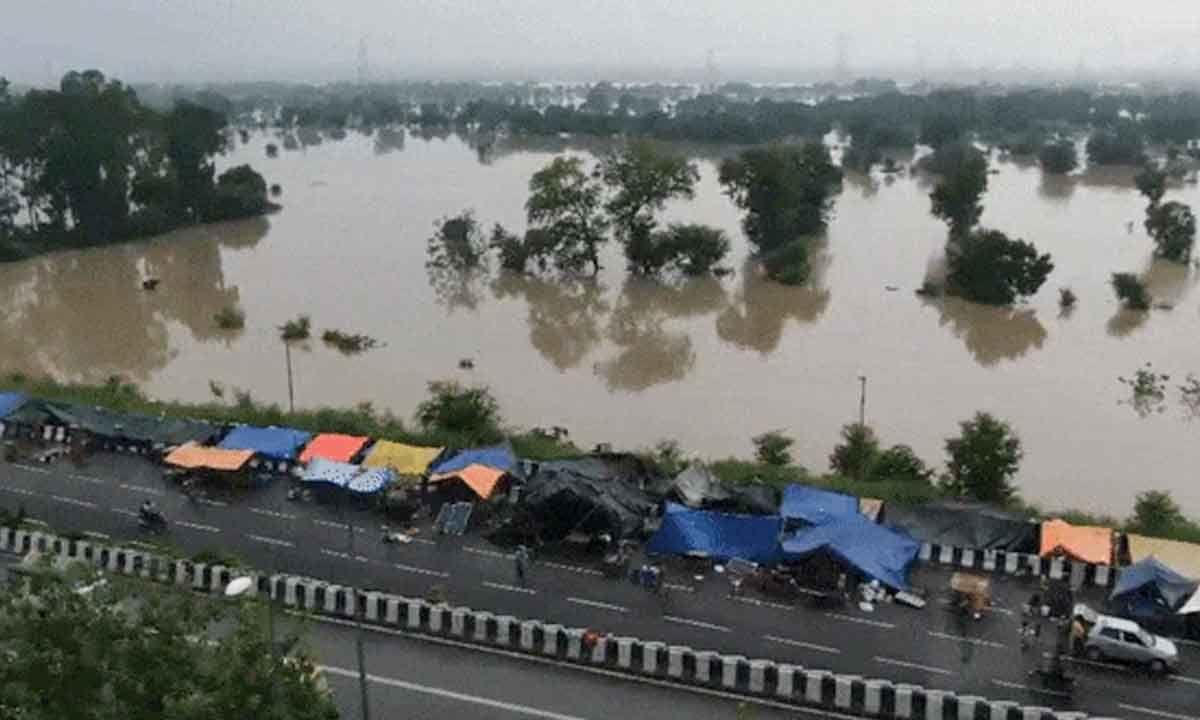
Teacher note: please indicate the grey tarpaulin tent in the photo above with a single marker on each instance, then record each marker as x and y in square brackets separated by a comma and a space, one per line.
[966, 525]
[587, 495]
[698, 487]
[113, 425]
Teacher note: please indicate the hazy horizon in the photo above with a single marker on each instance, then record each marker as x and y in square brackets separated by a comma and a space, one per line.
[772, 40]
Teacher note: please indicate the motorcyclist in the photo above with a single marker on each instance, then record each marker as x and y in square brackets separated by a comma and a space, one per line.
[149, 513]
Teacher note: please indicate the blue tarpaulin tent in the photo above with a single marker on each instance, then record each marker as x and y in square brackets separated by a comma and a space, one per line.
[873, 550]
[500, 457]
[10, 401]
[815, 506]
[1149, 583]
[717, 535]
[272, 443]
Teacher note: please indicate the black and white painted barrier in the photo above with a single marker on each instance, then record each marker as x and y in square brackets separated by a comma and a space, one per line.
[766, 679]
[1011, 563]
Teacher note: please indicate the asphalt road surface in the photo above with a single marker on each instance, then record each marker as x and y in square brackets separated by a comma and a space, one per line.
[931, 647]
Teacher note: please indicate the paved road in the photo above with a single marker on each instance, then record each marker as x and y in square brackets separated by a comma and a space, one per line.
[929, 647]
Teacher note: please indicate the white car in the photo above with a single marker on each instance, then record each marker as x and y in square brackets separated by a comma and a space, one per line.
[1112, 638]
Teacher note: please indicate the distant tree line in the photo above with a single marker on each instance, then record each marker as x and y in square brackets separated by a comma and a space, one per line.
[88, 164]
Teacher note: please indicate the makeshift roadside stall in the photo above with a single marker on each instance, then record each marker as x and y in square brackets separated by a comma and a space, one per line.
[101, 428]
[575, 500]
[699, 488]
[1152, 594]
[9, 403]
[717, 536]
[333, 446]
[963, 525]
[332, 479]
[499, 457]
[1083, 543]
[277, 448]
[409, 462]
[228, 467]
[804, 505]
[862, 550]
[474, 482]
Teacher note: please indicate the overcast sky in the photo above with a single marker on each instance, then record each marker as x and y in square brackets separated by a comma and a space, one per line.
[195, 40]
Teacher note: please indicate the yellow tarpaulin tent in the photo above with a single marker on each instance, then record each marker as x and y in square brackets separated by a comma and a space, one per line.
[1182, 557]
[400, 458]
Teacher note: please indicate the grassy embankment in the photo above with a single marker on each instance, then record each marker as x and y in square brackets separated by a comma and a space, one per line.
[532, 444]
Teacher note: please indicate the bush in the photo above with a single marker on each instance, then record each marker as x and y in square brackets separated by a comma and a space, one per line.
[1155, 512]
[899, 464]
[1131, 291]
[788, 264]
[456, 244]
[696, 249]
[1173, 227]
[471, 413]
[240, 192]
[857, 453]
[773, 448]
[230, 318]
[349, 343]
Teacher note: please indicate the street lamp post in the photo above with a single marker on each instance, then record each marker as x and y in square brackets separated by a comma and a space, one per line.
[862, 400]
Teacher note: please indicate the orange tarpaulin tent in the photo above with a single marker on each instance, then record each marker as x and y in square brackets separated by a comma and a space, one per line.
[332, 446]
[480, 478]
[1081, 542]
[193, 456]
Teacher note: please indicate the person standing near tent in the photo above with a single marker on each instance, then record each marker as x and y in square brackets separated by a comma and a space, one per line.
[521, 563]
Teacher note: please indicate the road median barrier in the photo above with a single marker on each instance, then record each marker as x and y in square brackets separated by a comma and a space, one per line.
[677, 664]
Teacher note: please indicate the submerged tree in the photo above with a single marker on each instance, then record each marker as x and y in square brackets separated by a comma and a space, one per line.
[986, 266]
[786, 192]
[957, 197]
[457, 244]
[566, 202]
[1131, 291]
[1058, 157]
[643, 177]
[1173, 227]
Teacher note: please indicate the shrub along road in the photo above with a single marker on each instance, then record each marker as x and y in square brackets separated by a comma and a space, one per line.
[930, 647]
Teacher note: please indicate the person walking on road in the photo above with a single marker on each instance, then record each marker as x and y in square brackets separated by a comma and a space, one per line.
[521, 563]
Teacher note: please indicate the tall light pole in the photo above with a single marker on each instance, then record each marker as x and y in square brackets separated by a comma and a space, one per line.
[862, 400]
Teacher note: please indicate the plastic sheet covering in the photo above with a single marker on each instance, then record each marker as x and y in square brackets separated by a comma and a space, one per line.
[332, 446]
[1153, 581]
[370, 481]
[10, 401]
[872, 550]
[965, 525]
[195, 457]
[1182, 557]
[105, 423]
[719, 536]
[480, 478]
[400, 458]
[568, 496]
[320, 470]
[1081, 542]
[500, 457]
[273, 443]
[816, 506]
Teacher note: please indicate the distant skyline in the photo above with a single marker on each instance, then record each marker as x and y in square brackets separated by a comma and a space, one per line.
[624, 40]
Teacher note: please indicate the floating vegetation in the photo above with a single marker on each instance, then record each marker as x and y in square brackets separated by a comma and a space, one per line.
[349, 343]
[230, 318]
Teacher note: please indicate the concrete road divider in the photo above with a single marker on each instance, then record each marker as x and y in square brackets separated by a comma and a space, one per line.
[753, 677]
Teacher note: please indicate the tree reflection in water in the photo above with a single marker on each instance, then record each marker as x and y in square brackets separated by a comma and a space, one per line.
[564, 314]
[83, 315]
[990, 333]
[760, 310]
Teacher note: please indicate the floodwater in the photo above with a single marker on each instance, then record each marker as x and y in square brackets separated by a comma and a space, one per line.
[709, 363]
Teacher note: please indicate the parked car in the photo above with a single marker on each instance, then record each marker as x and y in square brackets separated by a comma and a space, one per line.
[1112, 638]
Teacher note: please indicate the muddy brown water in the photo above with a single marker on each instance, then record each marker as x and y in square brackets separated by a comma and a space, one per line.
[709, 363]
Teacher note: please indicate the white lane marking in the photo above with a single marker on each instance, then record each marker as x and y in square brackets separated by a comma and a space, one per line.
[327, 523]
[763, 603]
[963, 638]
[802, 644]
[141, 489]
[197, 526]
[452, 695]
[575, 667]
[572, 568]
[509, 588]
[914, 666]
[989, 609]
[1180, 678]
[122, 511]
[271, 541]
[487, 553]
[214, 503]
[1093, 663]
[421, 571]
[86, 478]
[423, 541]
[272, 513]
[73, 501]
[344, 555]
[861, 621]
[18, 491]
[1016, 686]
[598, 604]
[696, 623]
[33, 468]
[97, 535]
[1159, 713]
[679, 588]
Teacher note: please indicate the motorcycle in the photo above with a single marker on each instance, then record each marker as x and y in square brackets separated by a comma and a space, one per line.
[152, 522]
